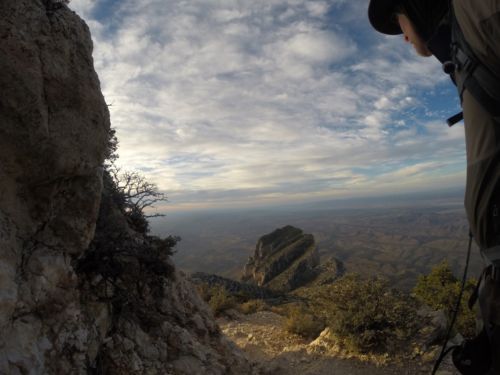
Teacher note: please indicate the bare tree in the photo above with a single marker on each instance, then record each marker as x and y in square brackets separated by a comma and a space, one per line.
[137, 192]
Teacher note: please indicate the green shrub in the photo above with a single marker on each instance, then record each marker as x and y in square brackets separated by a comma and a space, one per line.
[220, 300]
[366, 315]
[440, 289]
[252, 306]
[303, 323]
[204, 291]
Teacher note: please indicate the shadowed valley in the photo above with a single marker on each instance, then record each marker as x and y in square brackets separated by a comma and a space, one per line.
[399, 243]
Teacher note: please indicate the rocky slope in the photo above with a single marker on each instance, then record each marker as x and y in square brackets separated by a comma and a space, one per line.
[232, 286]
[65, 309]
[262, 337]
[286, 259]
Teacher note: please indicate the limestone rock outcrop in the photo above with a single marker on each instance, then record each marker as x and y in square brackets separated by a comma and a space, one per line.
[144, 316]
[53, 137]
[283, 260]
[66, 308]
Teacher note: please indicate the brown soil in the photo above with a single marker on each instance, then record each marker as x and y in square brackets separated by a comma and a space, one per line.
[261, 337]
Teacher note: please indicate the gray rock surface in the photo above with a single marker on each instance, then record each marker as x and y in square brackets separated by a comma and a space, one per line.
[53, 137]
[56, 316]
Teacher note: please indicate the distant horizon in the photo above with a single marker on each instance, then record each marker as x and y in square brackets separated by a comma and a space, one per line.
[397, 236]
[431, 198]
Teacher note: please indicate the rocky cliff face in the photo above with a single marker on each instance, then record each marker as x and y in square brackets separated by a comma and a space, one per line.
[58, 316]
[283, 260]
[53, 136]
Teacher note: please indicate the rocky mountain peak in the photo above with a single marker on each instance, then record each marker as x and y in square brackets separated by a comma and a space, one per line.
[273, 242]
[283, 260]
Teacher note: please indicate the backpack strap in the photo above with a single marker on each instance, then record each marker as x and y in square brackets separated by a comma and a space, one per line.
[473, 75]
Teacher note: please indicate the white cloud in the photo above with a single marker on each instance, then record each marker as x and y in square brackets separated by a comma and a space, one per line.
[252, 100]
[317, 46]
[83, 7]
[317, 8]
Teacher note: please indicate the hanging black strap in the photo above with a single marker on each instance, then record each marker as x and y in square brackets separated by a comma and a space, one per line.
[455, 119]
[444, 350]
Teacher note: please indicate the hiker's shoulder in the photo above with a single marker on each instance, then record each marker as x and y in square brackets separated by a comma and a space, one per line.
[480, 23]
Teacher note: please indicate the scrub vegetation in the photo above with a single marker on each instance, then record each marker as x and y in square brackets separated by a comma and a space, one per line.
[440, 290]
[364, 315]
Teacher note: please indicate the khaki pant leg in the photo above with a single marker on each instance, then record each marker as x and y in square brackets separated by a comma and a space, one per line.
[489, 302]
[482, 138]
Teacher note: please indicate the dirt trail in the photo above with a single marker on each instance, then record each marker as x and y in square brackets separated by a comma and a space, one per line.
[261, 336]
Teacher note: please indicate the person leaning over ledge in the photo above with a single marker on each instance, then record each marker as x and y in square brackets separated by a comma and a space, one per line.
[473, 26]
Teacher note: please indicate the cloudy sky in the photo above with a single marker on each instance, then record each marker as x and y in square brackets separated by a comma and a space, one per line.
[226, 103]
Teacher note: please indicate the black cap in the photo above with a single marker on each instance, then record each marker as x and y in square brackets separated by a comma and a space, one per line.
[381, 16]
